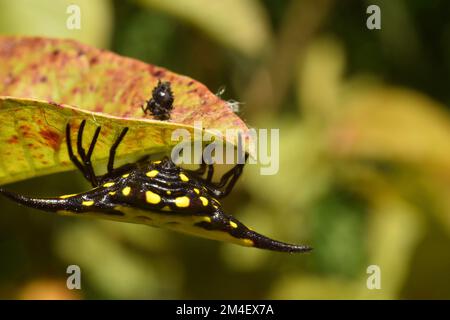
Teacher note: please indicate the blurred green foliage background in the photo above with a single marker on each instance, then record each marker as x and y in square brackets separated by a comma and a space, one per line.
[364, 152]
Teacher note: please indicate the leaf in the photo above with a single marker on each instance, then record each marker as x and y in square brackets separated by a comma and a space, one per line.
[404, 129]
[320, 74]
[393, 124]
[129, 275]
[242, 25]
[48, 18]
[394, 230]
[88, 83]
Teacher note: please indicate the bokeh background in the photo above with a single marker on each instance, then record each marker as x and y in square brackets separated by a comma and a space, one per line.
[364, 153]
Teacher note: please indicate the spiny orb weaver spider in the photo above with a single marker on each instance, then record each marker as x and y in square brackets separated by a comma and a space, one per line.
[156, 193]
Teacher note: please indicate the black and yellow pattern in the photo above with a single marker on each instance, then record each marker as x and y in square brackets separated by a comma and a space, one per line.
[155, 193]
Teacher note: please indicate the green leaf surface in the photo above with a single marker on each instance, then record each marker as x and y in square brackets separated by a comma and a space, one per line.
[49, 18]
[45, 83]
[242, 25]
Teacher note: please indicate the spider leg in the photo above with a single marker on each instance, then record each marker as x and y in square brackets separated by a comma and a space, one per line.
[87, 160]
[210, 173]
[228, 180]
[72, 157]
[125, 168]
[144, 107]
[112, 151]
[88, 170]
[202, 169]
[80, 148]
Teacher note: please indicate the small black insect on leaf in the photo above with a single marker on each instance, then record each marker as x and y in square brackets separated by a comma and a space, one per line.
[161, 103]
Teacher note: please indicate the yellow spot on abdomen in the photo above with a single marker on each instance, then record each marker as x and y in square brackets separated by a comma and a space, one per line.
[183, 177]
[108, 184]
[196, 191]
[207, 219]
[204, 201]
[152, 174]
[157, 162]
[67, 196]
[152, 197]
[125, 175]
[126, 191]
[169, 192]
[112, 193]
[248, 242]
[182, 202]
[233, 224]
[87, 203]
